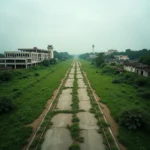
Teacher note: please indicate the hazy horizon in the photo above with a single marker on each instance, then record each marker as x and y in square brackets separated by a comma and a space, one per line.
[74, 26]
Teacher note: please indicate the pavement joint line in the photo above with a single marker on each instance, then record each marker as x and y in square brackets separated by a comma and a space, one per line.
[32, 139]
[103, 115]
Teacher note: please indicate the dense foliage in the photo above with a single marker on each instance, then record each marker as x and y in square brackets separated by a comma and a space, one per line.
[62, 55]
[6, 104]
[145, 60]
[132, 119]
[99, 60]
[5, 76]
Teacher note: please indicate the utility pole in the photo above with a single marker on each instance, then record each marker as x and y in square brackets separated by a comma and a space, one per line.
[93, 48]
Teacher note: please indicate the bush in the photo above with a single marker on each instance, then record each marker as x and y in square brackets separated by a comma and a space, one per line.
[141, 82]
[145, 95]
[5, 76]
[74, 147]
[113, 64]
[116, 81]
[6, 104]
[45, 63]
[132, 119]
[36, 74]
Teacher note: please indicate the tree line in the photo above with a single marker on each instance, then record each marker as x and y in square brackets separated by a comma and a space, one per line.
[142, 56]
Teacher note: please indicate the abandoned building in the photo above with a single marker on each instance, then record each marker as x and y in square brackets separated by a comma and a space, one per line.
[141, 69]
[25, 57]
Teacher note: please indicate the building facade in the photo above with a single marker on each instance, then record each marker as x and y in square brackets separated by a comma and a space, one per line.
[138, 68]
[26, 57]
[121, 57]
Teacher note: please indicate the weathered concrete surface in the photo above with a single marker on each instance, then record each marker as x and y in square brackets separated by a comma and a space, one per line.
[61, 120]
[57, 139]
[78, 72]
[72, 71]
[92, 140]
[79, 76]
[71, 76]
[64, 102]
[69, 83]
[85, 105]
[81, 83]
[87, 120]
[67, 91]
[83, 95]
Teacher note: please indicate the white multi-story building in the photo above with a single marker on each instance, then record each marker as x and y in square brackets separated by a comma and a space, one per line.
[26, 57]
[111, 51]
[121, 57]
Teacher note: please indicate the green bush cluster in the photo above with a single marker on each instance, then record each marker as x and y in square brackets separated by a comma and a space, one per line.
[132, 119]
[6, 104]
[74, 147]
[6, 76]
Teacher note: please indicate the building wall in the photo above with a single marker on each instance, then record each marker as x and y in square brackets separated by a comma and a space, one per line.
[129, 68]
[142, 72]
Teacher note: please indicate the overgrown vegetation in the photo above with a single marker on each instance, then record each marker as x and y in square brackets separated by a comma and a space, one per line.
[29, 94]
[132, 119]
[103, 126]
[6, 105]
[125, 100]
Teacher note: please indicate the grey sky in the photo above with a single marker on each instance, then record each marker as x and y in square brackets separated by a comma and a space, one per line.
[74, 25]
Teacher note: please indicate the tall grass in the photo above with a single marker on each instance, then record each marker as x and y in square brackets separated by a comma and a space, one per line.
[35, 92]
[119, 97]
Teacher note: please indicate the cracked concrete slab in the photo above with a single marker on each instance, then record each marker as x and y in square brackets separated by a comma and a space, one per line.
[92, 140]
[61, 120]
[84, 105]
[57, 139]
[64, 102]
[81, 83]
[79, 76]
[69, 83]
[67, 91]
[83, 95]
[71, 76]
[87, 120]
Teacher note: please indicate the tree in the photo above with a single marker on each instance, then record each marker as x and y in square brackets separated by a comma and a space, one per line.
[99, 59]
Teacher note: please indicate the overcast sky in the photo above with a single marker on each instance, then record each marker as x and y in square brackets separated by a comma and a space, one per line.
[74, 25]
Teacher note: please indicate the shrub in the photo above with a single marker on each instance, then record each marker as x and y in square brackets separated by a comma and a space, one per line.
[113, 64]
[145, 95]
[45, 63]
[75, 119]
[36, 74]
[5, 76]
[6, 104]
[116, 81]
[132, 119]
[102, 124]
[74, 147]
[141, 81]
[74, 130]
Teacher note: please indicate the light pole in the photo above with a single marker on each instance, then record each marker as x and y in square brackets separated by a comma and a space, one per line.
[93, 48]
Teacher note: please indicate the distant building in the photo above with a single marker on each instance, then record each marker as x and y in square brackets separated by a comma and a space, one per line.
[138, 68]
[111, 51]
[92, 56]
[121, 57]
[130, 66]
[143, 70]
[25, 57]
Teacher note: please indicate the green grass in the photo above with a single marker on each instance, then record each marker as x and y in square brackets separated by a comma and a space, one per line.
[119, 97]
[34, 91]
